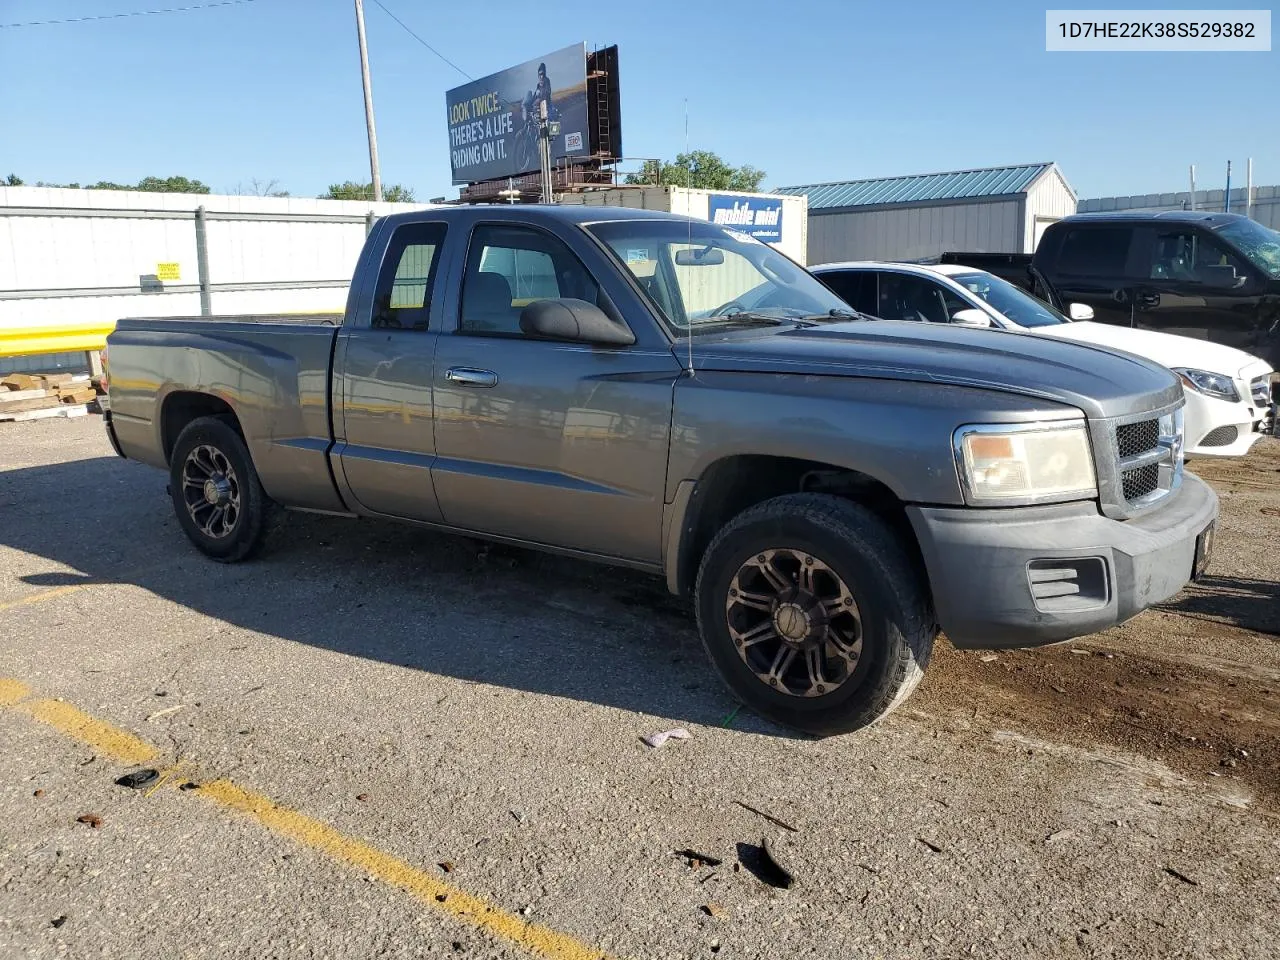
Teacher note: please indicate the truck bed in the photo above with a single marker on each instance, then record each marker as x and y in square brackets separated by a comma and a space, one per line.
[273, 370]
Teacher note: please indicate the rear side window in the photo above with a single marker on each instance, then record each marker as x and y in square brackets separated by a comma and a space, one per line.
[1095, 251]
[402, 299]
[855, 287]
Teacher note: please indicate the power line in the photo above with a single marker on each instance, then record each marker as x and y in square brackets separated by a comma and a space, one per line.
[134, 13]
[421, 41]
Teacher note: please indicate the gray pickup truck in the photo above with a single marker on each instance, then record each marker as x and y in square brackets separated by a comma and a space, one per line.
[674, 396]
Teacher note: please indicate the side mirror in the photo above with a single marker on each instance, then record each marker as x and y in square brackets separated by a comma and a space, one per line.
[574, 320]
[1080, 311]
[971, 317]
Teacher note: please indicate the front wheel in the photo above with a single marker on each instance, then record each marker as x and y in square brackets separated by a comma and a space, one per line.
[216, 493]
[813, 614]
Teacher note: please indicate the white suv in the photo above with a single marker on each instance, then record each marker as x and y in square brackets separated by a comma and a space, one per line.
[1228, 391]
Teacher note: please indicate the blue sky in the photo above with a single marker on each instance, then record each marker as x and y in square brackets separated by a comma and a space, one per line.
[806, 90]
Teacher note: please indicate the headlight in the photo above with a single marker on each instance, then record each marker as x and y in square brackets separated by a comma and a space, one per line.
[1025, 463]
[1215, 385]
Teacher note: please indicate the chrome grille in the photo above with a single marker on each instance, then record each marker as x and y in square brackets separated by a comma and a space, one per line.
[1135, 438]
[1140, 481]
[1139, 460]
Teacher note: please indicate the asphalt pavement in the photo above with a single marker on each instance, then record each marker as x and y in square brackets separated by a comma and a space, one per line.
[381, 742]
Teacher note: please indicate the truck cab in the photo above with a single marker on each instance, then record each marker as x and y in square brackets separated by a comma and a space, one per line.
[1212, 276]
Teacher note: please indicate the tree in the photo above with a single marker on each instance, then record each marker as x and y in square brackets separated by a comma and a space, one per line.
[170, 185]
[350, 190]
[146, 184]
[13, 180]
[700, 169]
[260, 188]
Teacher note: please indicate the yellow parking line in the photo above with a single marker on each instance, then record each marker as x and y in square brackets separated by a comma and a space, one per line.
[11, 691]
[124, 747]
[107, 740]
[42, 595]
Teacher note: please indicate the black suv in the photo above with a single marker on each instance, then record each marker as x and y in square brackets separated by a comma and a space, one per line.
[1215, 276]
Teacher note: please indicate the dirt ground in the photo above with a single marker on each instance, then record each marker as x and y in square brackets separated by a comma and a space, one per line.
[1194, 684]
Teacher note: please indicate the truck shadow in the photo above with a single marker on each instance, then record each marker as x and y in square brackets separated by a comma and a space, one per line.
[443, 604]
[1241, 601]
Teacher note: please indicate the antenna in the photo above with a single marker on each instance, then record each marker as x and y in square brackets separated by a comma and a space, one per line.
[689, 332]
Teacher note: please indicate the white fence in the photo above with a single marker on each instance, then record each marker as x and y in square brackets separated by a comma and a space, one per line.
[1265, 208]
[75, 257]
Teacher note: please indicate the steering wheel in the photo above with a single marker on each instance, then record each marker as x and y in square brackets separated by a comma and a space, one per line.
[733, 306]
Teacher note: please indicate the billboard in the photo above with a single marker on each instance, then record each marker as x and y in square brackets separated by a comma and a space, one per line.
[493, 121]
[760, 217]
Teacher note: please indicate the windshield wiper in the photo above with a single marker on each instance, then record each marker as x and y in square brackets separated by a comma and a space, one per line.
[747, 318]
[838, 314]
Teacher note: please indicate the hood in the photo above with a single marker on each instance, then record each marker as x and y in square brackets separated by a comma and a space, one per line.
[1097, 381]
[1166, 349]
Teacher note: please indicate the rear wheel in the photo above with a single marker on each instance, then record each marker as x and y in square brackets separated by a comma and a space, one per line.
[812, 613]
[216, 494]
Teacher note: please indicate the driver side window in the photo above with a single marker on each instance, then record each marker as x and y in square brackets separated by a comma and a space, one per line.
[906, 297]
[509, 268]
[1192, 257]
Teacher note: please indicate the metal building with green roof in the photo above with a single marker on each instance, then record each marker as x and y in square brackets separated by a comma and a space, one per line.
[919, 217]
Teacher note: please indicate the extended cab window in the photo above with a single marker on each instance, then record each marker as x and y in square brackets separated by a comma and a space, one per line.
[402, 299]
[1095, 251]
[1193, 257]
[509, 268]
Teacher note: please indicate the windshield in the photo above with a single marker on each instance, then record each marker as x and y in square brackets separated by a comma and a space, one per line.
[703, 277]
[1258, 243]
[1013, 302]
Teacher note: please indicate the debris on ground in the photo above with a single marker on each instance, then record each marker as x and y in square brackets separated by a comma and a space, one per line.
[92, 819]
[1059, 835]
[446, 866]
[712, 910]
[189, 786]
[38, 793]
[519, 817]
[1179, 875]
[768, 816]
[731, 715]
[153, 717]
[987, 658]
[930, 844]
[697, 860]
[658, 739]
[138, 779]
[58, 921]
[362, 797]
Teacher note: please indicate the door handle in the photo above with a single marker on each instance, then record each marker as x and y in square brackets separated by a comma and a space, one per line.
[471, 377]
[1148, 300]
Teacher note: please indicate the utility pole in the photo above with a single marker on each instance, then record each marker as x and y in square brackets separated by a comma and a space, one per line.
[1248, 189]
[368, 104]
[544, 150]
[1193, 186]
[1226, 201]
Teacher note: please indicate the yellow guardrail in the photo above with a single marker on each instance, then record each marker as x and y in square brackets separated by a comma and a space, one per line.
[28, 341]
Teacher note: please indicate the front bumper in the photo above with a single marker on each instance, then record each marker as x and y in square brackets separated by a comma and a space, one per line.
[1027, 576]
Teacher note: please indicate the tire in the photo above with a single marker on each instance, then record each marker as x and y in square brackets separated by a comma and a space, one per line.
[867, 614]
[210, 450]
